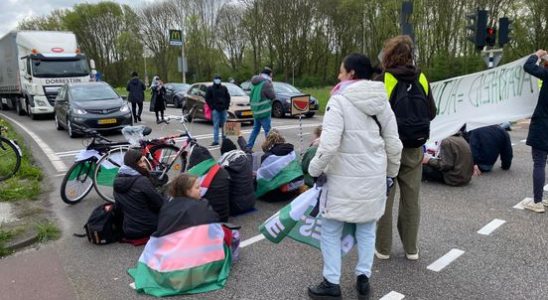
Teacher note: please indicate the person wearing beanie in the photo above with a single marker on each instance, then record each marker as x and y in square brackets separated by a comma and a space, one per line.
[200, 163]
[136, 95]
[239, 166]
[218, 99]
[136, 197]
[261, 97]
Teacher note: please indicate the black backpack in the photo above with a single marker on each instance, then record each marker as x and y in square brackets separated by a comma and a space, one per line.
[410, 105]
[104, 225]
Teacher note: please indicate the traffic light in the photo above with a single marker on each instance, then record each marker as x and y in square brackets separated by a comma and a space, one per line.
[477, 24]
[491, 36]
[504, 31]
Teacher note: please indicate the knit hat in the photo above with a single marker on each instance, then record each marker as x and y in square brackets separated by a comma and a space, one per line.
[267, 71]
[227, 145]
[197, 155]
[217, 76]
[132, 157]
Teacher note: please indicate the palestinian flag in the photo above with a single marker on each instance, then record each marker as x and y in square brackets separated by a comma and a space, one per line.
[206, 171]
[276, 171]
[190, 261]
[301, 221]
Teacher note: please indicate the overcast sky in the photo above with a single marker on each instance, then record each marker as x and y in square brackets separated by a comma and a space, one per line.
[12, 11]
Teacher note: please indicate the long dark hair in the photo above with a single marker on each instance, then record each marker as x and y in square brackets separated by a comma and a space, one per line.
[361, 65]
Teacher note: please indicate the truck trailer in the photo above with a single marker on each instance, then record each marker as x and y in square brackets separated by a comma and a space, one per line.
[34, 65]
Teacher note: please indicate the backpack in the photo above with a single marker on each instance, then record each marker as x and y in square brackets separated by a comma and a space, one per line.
[104, 225]
[410, 105]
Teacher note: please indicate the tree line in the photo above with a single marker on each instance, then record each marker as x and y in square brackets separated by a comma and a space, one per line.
[302, 40]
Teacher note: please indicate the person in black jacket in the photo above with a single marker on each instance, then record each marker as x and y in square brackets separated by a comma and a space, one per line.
[218, 192]
[186, 208]
[240, 168]
[136, 96]
[218, 99]
[158, 101]
[136, 196]
[487, 143]
[538, 132]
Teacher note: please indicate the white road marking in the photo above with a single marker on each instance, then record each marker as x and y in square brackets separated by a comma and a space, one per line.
[513, 144]
[252, 240]
[523, 141]
[393, 296]
[72, 153]
[492, 226]
[59, 175]
[445, 260]
[522, 202]
[546, 188]
[55, 160]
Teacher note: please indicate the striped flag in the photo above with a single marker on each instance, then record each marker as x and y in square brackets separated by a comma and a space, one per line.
[276, 171]
[190, 261]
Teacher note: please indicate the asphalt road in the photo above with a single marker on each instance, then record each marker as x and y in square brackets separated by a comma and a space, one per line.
[510, 263]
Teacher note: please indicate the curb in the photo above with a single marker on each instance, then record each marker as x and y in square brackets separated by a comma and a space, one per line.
[22, 243]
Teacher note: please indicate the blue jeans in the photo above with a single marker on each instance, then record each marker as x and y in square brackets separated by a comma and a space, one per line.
[257, 124]
[219, 119]
[331, 244]
[539, 175]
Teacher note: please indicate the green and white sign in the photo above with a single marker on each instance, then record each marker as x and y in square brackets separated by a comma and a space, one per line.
[175, 37]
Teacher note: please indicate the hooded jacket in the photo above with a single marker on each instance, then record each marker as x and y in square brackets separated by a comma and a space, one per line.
[136, 89]
[217, 97]
[242, 192]
[356, 154]
[139, 201]
[538, 129]
[181, 213]
[218, 192]
[488, 142]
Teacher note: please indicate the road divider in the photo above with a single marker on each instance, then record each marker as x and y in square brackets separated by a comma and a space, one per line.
[445, 260]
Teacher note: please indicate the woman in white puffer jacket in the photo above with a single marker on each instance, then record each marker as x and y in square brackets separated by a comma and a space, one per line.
[359, 151]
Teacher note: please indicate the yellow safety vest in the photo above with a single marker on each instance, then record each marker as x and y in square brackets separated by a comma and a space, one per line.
[390, 82]
[539, 84]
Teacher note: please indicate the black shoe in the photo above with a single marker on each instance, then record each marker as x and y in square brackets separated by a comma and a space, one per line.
[362, 285]
[158, 121]
[139, 117]
[214, 144]
[165, 121]
[325, 291]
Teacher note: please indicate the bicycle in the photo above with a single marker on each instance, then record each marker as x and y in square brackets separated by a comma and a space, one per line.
[10, 156]
[82, 175]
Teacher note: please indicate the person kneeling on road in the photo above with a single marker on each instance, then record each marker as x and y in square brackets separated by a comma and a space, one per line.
[214, 180]
[137, 197]
[454, 165]
[240, 168]
[487, 143]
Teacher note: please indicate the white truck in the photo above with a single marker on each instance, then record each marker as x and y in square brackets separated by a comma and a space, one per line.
[34, 65]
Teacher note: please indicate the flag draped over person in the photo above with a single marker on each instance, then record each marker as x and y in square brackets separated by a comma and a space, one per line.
[276, 171]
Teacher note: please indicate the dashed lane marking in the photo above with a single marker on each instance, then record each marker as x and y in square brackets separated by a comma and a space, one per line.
[445, 260]
[393, 296]
[492, 226]
[252, 240]
[522, 202]
[55, 160]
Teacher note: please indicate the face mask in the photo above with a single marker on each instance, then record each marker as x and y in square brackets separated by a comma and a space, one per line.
[217, 81]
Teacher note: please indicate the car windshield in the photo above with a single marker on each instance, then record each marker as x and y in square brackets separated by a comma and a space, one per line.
[234, 90]
[284, 88]
[92, 92]
[180, 87]
[60, 68]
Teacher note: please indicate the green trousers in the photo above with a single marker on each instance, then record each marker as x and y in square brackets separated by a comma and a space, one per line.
[409, 182]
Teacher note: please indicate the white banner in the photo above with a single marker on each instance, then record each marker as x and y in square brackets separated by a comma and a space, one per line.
[505, 93]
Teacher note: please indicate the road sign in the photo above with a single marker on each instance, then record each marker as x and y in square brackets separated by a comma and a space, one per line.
[300, 104]
[175, 37]
[492, 57]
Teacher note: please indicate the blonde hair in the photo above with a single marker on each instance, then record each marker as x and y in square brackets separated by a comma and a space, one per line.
[273, 138]
[397, 51]
[181, 184]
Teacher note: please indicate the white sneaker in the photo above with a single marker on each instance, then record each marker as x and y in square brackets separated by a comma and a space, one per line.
[545, 203]
[381, 256]
[536, 207]
[412, 256]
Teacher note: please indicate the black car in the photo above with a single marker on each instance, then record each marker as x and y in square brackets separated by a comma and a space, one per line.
[175, 93]
[281, 106]
[93, 105]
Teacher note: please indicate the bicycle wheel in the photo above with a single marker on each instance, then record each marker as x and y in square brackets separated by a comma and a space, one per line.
[106, 170]
[165, 157]
[10, 159]
[78, 182]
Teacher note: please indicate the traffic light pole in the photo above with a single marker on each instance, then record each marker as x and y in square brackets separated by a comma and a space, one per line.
[492, 57]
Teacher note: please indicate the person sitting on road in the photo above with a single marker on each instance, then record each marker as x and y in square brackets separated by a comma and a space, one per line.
[309, 155]
[186, 208]
[240, 168]
[454, 166]
[214, 180]
[137, 198]
[280, 175]
[487, 143]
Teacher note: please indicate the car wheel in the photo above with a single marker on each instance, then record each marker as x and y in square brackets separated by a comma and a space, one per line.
[310, 114]
[69, 129]
[177, 102]
[277, 110]
[29, 112]
[57, 124]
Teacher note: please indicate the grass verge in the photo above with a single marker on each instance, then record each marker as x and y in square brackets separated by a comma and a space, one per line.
[47, 231]
[320, 93]
[5, 236]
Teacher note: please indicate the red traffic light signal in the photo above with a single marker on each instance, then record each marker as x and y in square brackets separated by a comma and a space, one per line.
[491, 37]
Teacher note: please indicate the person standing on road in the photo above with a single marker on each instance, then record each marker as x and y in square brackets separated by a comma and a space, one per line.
[262, 94]
[136, 89]
[538, 132]
[359, 151]
[218, 99]
[411, 99]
